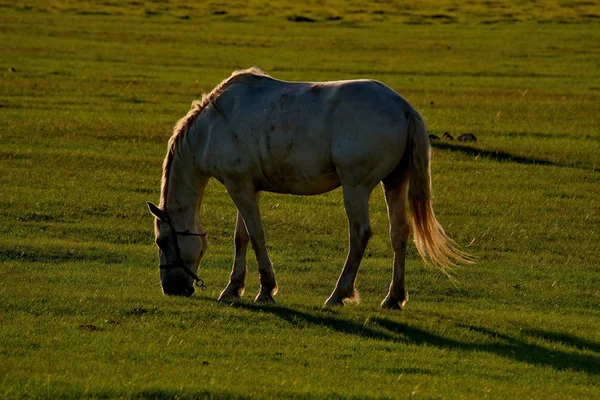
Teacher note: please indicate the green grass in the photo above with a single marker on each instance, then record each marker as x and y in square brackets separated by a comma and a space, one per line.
[89, 92]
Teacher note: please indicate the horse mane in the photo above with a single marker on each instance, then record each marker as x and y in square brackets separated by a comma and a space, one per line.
[182, 126]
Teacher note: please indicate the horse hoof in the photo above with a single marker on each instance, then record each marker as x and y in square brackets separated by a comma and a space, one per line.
[226, 298]
[334, 302]
[392, 304]
[231, 295]
[264, 298]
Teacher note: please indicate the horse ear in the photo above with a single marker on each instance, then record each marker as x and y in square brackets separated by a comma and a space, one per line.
[157, 212]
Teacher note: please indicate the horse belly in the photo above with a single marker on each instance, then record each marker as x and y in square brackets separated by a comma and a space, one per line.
[299, 176]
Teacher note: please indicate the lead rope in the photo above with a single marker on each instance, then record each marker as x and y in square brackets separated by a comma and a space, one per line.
[199, 282]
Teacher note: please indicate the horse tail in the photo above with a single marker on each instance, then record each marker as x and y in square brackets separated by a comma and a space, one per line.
[431, 241]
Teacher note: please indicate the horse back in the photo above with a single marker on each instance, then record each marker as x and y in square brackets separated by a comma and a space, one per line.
[294, 137]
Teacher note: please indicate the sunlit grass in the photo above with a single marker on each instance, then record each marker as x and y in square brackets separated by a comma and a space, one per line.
[89, 92]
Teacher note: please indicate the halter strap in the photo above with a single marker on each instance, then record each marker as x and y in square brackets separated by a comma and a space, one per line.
[179, 263]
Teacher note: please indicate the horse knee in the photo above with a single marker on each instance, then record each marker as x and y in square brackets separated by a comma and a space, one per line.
[362, 232]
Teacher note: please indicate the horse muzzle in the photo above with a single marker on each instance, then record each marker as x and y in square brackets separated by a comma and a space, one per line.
[177, 286]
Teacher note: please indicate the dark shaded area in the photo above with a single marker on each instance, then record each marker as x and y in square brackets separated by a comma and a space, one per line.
[39, 217]
[90, 327]
[301, 318]
[156, 394]
[300, 18]
[56, 254]
[75, 232]
[565, 339]
[175, 394]
[141, 311]
[10, 155]
[502, 345]
[144, 190]
[441, 16]
[496, 343]
[184, 394]
[496, 155]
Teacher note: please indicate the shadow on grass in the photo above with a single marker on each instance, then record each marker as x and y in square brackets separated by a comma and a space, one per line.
[155, 394]
[496, 343]
[331, 321]
[565, 339]
[502, 345]
[496, 155]
[184, 394]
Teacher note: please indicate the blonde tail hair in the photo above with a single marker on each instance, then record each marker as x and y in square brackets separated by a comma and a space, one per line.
[430, 239]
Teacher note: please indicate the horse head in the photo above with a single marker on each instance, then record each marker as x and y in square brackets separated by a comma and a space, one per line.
[179, 254]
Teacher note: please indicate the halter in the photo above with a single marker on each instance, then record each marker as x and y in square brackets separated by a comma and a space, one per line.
[179, 263]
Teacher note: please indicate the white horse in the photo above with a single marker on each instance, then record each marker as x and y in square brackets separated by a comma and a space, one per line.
[254, 133]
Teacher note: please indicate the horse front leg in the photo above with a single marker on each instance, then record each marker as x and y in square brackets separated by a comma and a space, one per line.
[246, 201]
[356, 202]
[237, 280]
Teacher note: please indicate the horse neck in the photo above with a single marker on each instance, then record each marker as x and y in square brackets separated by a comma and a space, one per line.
[185, 189]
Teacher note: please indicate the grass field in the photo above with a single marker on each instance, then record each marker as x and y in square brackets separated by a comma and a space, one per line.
[89, 92]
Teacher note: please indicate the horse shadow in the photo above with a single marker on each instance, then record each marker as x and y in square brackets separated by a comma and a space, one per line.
[496, 155]
[515, 348]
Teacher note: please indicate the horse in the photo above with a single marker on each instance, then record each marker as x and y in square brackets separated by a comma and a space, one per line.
[255, 133]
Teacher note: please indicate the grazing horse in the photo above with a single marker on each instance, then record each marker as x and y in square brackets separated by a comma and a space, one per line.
[255, 133]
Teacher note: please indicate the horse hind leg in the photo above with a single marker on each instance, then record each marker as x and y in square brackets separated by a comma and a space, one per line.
[237, 279]
[356, 202]
[395, 188]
